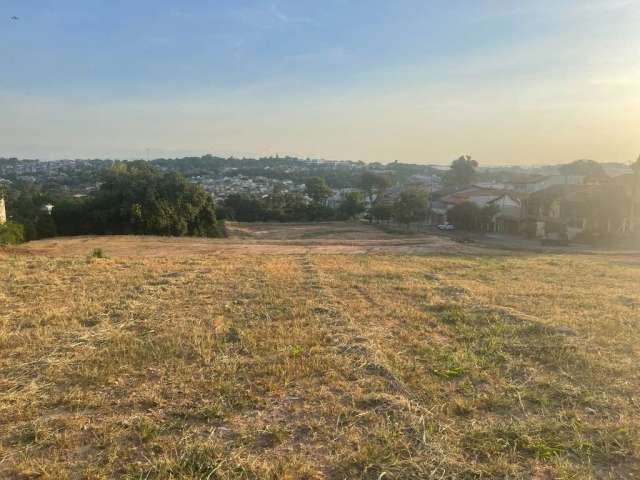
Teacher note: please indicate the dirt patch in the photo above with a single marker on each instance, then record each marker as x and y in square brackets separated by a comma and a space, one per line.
[269, 239]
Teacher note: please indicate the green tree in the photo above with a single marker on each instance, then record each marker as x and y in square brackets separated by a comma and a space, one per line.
[469, 216]
[462, 172]
[373, 183]
[11, 233]
[382, 211]
[317, 189]
[412, 206]
[352, 204]
[137, 198]
[464, 215]
[45, 226]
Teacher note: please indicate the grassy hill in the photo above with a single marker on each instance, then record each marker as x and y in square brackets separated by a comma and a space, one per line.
[246, 365]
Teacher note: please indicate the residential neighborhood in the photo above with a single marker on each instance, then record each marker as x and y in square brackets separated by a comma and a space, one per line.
[581, 208]
[577, 202]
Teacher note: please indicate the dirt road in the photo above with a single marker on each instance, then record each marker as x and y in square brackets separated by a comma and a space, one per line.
[267, 238]
[289, 238]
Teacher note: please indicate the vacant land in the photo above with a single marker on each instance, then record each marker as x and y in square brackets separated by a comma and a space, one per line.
[268, 238]
[220, 362]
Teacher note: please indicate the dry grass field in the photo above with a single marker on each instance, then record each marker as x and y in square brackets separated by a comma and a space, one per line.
[232, 363]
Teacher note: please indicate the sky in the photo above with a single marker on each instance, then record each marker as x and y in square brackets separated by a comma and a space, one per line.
[420, 81]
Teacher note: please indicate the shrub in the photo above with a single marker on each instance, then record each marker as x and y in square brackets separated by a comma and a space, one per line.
[11, 233]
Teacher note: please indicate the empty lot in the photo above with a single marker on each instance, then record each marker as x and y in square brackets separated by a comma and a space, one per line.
[191, 358]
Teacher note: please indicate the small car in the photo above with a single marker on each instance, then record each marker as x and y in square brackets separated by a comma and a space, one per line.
[446, 226]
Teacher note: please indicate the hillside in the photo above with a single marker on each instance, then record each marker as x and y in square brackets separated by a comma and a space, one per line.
[291, 361]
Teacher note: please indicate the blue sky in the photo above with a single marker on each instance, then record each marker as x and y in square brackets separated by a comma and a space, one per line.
[420, 81]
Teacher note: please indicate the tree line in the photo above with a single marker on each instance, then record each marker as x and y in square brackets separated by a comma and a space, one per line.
[133, 198]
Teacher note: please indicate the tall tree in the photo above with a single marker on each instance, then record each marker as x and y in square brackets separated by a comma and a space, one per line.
[462, 172]
[382, 210]
[469, 216]
[412, 206]
[317, 189]
[352, 204]
[373, 183]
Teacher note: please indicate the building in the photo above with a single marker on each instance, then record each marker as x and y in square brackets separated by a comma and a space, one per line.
[508, 218]
[430, 183]
[529, 183]
[507, 203]
[582, 211]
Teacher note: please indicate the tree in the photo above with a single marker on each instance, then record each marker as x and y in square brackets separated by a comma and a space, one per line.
[352, 204]
[11, 233]
[373, 183]
[245, 208]
[469, 216]
[582, 167]
[464, 215]
[462, 172]
[412, 206]
[137, 198]
[382, 211]
[45, 226]
[317, 189]
[485, 216]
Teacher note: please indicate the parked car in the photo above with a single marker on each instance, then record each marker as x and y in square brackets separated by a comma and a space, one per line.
[446, 226]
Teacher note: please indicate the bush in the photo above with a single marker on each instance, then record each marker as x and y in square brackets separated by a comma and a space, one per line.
[412, 206]
[11, 233]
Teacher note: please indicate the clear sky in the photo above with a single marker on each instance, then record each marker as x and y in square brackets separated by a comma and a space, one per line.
[514, 82]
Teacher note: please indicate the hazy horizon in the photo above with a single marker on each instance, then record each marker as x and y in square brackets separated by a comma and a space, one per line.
[413, 81]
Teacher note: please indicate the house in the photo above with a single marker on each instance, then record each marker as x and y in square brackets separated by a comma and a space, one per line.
[535, 183]
[508, 218]
[477, 195]
[430, 183]
[585, 211]
[629, 184]
[528, 183]
[508, 203]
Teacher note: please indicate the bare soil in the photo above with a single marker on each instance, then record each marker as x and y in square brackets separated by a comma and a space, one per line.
[264, 238]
